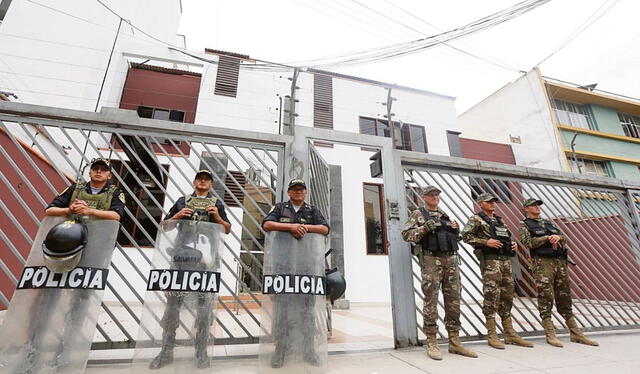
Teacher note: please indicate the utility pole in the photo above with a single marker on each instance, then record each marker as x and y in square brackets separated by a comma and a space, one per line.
[393, 130]
[289, 114]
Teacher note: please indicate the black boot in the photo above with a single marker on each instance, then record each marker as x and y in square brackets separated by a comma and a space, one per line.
[311, 357]
[165, 357]
[278, 357]
[202, 360]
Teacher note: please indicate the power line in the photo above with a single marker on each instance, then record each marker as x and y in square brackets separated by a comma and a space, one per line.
[603, 9]
[371, 55]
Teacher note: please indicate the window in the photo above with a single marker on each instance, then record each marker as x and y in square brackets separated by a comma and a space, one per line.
[413, 136]
[146, 203]
[589, 167]
[630, 125]
[571, 114]
[322, 101]
[375, 226]
[163, 115]
[453, 139]
[227, 76]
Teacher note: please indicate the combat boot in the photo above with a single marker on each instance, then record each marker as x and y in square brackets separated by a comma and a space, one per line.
[492, 335]
[457, 348]
[202, 338]
[277, 360]
[511, 336]
[576, 335]
[432, 347]
[550, 333]
[165, 357]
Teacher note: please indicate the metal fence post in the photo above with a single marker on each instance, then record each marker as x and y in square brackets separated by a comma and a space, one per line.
[402, 296]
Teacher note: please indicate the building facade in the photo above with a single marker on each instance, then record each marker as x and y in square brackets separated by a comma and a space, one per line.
[561, 126]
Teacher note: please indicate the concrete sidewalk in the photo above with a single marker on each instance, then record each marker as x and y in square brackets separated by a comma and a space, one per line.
[619, 353]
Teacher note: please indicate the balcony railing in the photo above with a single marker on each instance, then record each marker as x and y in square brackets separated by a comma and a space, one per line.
[631, 130]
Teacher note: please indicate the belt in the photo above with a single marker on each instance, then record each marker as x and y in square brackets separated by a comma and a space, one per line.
[492, 256]
[439, 253]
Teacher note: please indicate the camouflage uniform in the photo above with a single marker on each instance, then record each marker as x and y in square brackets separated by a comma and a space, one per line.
[497, 275]
[550, 273]
[438, 269]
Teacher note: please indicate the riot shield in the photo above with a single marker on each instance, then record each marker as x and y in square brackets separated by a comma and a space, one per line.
[294, 315]
[177, 322]
[51, 320]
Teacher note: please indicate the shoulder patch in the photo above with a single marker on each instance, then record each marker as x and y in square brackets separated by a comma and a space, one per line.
[65, 190]
[121, 197]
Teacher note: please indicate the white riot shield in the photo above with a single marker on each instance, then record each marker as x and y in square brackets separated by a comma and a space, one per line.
[51, 320]
[293, 313]
[177, 322]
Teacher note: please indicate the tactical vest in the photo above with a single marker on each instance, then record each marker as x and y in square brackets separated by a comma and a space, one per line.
[498, 231]
[199, 206]
[288, 215]
[444, 238]
[537, 230]
[100, 201]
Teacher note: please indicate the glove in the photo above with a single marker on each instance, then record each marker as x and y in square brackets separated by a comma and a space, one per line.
[429, 226]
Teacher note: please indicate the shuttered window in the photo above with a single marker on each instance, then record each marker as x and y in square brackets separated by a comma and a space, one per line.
[322, 101]
[227, 76]
[234, 188]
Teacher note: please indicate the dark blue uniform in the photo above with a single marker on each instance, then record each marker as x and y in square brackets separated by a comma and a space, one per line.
[64, 199]
[307, 214]
[181, 204]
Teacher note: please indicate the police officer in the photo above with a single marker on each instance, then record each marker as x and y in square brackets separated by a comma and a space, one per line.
[98, 198]
[201, 205]
[547, 246]
[491, 238]
[436, 238]
[298, 218]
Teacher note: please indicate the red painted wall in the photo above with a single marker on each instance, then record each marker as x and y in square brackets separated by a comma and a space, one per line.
[487, 151]
[163, 89]
[15, 208]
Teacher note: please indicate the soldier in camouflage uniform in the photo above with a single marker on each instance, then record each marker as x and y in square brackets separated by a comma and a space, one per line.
[488, 234]
[546, 244]
[436, 238]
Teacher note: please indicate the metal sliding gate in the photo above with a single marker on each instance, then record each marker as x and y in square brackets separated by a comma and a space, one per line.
[600, 225]
[154, 165]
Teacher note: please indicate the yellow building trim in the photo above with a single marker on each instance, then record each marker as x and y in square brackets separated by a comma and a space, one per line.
[602, 156]
[582, 96]
[599, 133]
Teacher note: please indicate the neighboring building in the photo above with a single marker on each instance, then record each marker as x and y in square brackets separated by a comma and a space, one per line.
[542, 117]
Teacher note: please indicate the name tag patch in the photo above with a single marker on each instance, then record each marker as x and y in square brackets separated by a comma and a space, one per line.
[183, 280]
[293, 284]
[78, 278]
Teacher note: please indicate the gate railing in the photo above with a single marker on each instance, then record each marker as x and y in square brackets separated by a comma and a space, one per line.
[154, 163]
[596, 215]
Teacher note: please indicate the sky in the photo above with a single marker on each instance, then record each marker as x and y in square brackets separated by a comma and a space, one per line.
[292, 31]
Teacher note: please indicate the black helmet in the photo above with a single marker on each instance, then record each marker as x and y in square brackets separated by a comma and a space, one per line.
[336, 284]
[63, 245]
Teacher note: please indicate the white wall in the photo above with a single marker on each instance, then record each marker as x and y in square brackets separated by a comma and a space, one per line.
[518, 109]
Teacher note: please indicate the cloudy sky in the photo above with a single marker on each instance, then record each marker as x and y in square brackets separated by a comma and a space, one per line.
[606, 52]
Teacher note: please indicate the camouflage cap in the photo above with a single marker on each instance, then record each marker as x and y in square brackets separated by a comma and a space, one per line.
[486, 197]
[100, 161]
[429, 189]
[531, 201]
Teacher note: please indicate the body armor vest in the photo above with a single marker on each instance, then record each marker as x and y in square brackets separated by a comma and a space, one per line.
[498, 231]
[100, 201]
[444, 238]
[288, 215]
[199, 206]
[538, 230]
